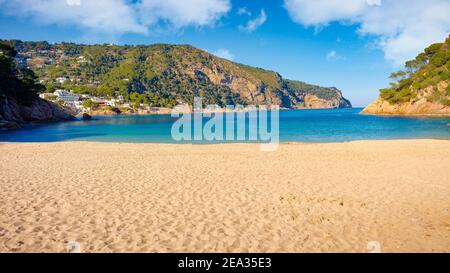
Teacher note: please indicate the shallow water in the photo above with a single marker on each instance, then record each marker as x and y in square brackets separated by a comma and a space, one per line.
[330, 125]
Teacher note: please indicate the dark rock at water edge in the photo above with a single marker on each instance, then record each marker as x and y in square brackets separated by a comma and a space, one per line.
[86, 116]
[14, 115]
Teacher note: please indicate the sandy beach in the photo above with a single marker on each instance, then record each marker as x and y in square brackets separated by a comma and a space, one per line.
[334, 197]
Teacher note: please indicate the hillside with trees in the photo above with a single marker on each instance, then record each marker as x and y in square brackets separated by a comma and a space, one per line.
[165, 75]
[19, 89]
[423, 87]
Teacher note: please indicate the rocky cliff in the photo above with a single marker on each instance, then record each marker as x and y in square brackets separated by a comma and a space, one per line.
[254, 85]
[420, 106]
[14, 116]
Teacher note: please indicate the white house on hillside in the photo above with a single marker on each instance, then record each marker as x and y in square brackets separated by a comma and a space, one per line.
[98, 100]
[115, 102]
[66, 96]
[61, 79]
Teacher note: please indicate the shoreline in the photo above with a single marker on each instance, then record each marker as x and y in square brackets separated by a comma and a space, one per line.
[207, 112]
[282, 110]
[407, 115]
[289, 142]
[325, 197]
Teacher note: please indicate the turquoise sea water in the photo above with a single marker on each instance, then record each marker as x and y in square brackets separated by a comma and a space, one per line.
[333, 125]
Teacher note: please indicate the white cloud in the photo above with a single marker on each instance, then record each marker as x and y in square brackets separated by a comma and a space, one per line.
[332, 55]
[183, 13]
[224, 53]
[402, 28]
[73, 2]
[322, 12]
[253, 24]
[373, 2]
[116, 17]
[243, 11]
[111, 16]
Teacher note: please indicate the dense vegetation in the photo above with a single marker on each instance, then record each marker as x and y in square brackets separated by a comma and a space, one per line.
[428, 69]
[18, 84]
[320, 92]
[157, 75]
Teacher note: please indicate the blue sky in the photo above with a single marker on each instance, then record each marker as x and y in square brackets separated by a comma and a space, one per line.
[352, 46]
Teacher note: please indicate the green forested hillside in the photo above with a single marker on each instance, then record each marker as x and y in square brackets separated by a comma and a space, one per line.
[429, 69]
[164, 75]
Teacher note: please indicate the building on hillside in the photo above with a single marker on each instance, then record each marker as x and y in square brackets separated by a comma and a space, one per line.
[115, 102]
[66, 96]
[61, 79]
[77, 106]
[98, 99]
[36, 62]
[127, 105]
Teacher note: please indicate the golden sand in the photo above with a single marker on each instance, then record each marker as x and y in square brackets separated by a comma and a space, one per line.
[333, 197]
